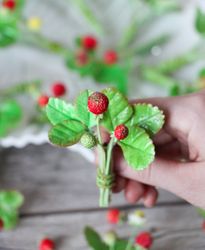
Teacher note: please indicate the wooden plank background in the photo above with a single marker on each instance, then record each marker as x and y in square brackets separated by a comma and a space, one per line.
[61, 198]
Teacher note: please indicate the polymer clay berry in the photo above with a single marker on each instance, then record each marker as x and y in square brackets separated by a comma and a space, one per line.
[9, 4]
[121, 132]
[88, 140]
[144, 239]
[43, 100]
[89, 42]
[97, 103]
[58, 89]
[113, 216]
[1, 225]
[47, 244]
[110, 57]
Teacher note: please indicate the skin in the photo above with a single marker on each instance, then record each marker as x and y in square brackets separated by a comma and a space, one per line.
[182, 137]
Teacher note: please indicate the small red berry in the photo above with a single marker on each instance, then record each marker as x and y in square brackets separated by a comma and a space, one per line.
[81, 57]
[97, 103]
[9, 4]
[58, 89]
[203, 225]
[89, 42]
[121, 132]
[113, 216]
[43, 100]
[110, 57]
[144, 240]
[47, 244]
[1, 225]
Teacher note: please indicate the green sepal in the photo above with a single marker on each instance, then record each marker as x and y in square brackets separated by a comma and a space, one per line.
[11, 200]
[66, 133]
[94, 240]
[148, 117]
[58, 111]
[119, 110]
[200, 22]
[82, 111]
[138, 149]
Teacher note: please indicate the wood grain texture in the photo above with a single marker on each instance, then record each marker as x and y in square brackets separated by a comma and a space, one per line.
[54, 179]
[173, 227]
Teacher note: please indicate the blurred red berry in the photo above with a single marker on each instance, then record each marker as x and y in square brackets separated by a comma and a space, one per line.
[97, 103]
[9, 4]
[203, 225]
[47, 244]
[1, 224]
[89, 42]
[58, 89]
[113, 216]
[81, 57]
[43, 100]
[144, 239]
[110, 57]
[121, 132]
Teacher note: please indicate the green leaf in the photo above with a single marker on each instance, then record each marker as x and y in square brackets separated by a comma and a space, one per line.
[148, 117]
[119, 111]
[66, 133]
[82, 111]
[58, 111]
[10, 115]
[115, 74]
[202, 73]
[11, 200]
[201, 212]
[94, 240]
[200, 22]
[137, 148]
[10, 218]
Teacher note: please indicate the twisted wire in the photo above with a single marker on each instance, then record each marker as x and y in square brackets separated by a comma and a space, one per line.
[104, 181]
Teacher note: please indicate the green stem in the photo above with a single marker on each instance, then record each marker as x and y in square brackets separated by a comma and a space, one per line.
[106, 168]
[172, 65]
[154, 76]
[25, 87]
[131, 241]
[88, 14]
[98, 130]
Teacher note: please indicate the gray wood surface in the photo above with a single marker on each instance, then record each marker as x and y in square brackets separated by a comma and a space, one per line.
[61, 198]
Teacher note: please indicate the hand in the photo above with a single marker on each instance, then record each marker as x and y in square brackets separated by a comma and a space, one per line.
[179, 166]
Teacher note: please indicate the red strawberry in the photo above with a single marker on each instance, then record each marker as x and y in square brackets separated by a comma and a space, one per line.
[47, 244]
[97, 103]
[58, 89]
[89, 42]
[113, 216]
[121, 132]
[110, 57]
[43, 100]
[81, 57]
[1, 225]
[9, 4]
[144, 239]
